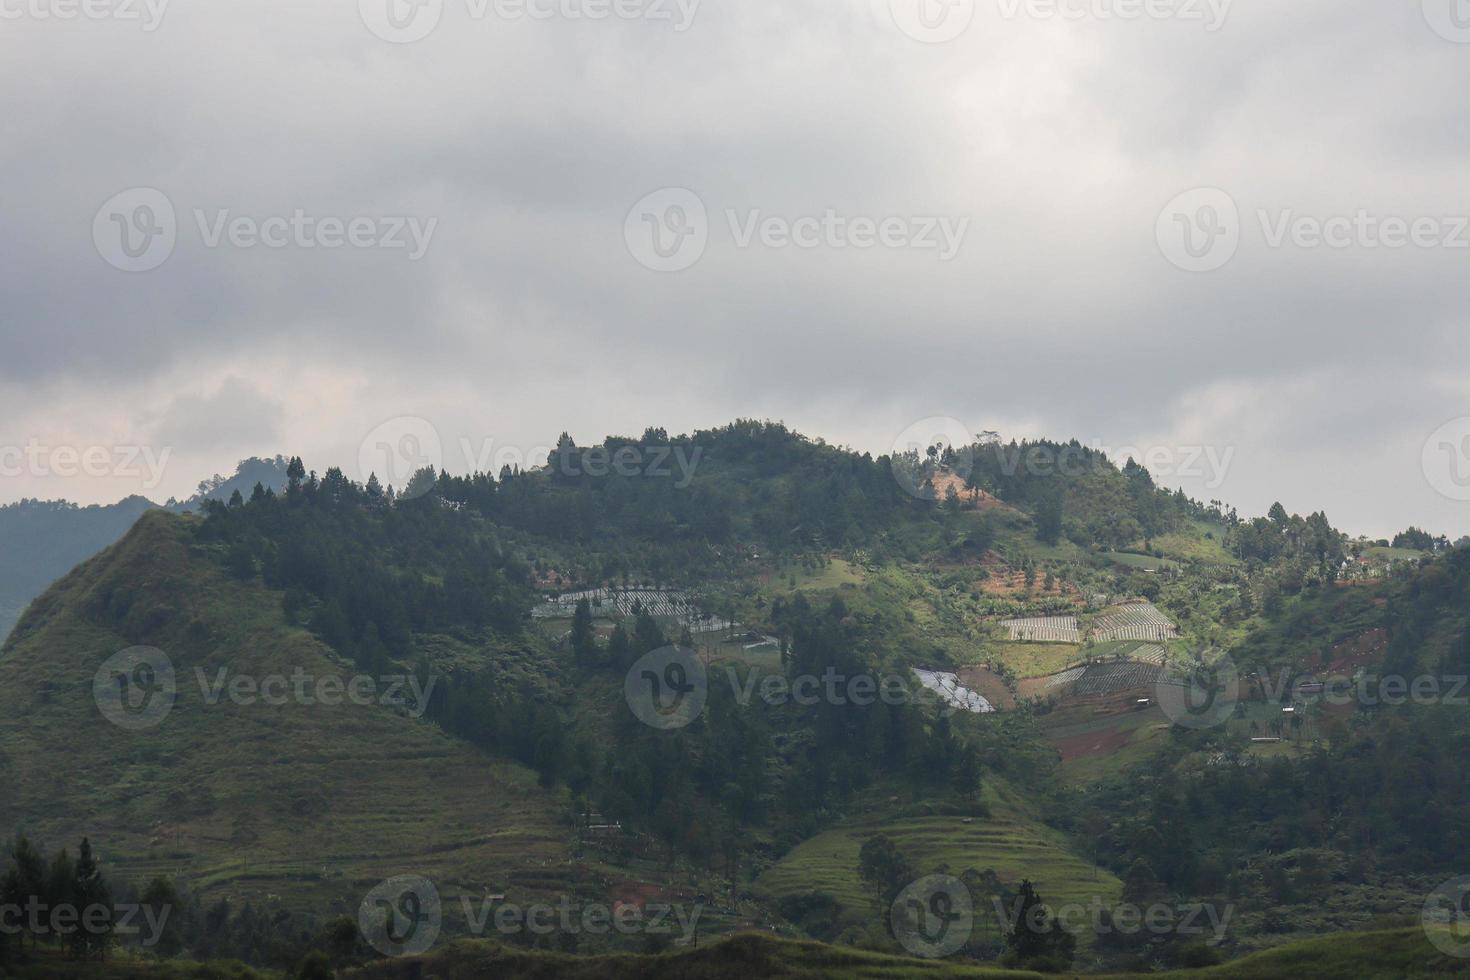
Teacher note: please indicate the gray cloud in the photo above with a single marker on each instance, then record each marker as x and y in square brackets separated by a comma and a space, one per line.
[235, 418]
[530, 141]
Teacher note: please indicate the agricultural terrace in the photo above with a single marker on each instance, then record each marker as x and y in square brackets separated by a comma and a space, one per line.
[1135, 621]
[1044, 629]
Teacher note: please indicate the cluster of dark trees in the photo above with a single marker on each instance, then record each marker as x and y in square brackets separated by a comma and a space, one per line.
[1420, 540]
[1073, 490]
[63, 903]
[761, 482]
[1281, 536]
[763, 763]
[747, 481]
[67, 907]
[365, 573]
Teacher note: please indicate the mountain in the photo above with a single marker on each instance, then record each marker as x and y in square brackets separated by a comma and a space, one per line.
[42, 540]
[269, 473]
[531, 610]
[244, 800]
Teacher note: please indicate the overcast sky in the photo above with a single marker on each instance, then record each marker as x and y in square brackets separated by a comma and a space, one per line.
[1092, 221]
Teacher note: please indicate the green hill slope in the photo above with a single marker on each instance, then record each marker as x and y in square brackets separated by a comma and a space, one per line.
[313, 802]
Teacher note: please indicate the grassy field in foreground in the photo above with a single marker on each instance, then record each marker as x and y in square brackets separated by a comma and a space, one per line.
[1402, 954]
[1395, 954]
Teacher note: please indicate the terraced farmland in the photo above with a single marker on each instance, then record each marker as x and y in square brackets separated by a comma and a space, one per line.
[1008, 842]
[1064, 678]
[1101, 679]
[1044, 629]
[1150, 654]
[1137, 621]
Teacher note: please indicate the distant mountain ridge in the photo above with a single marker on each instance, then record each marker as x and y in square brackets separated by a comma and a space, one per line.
[42, 540]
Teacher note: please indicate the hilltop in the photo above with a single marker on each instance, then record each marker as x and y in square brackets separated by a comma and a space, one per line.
[41, 540]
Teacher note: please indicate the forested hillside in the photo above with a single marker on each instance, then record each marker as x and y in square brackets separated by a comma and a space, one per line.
[1027, 618]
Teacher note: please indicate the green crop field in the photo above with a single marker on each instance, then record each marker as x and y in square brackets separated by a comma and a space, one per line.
[1035, 659]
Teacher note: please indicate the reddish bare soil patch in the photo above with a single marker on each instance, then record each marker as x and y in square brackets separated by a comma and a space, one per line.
[1034, 687]
[1360, 651]
[1010, 583]
[988, 685]
[1093, 743]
